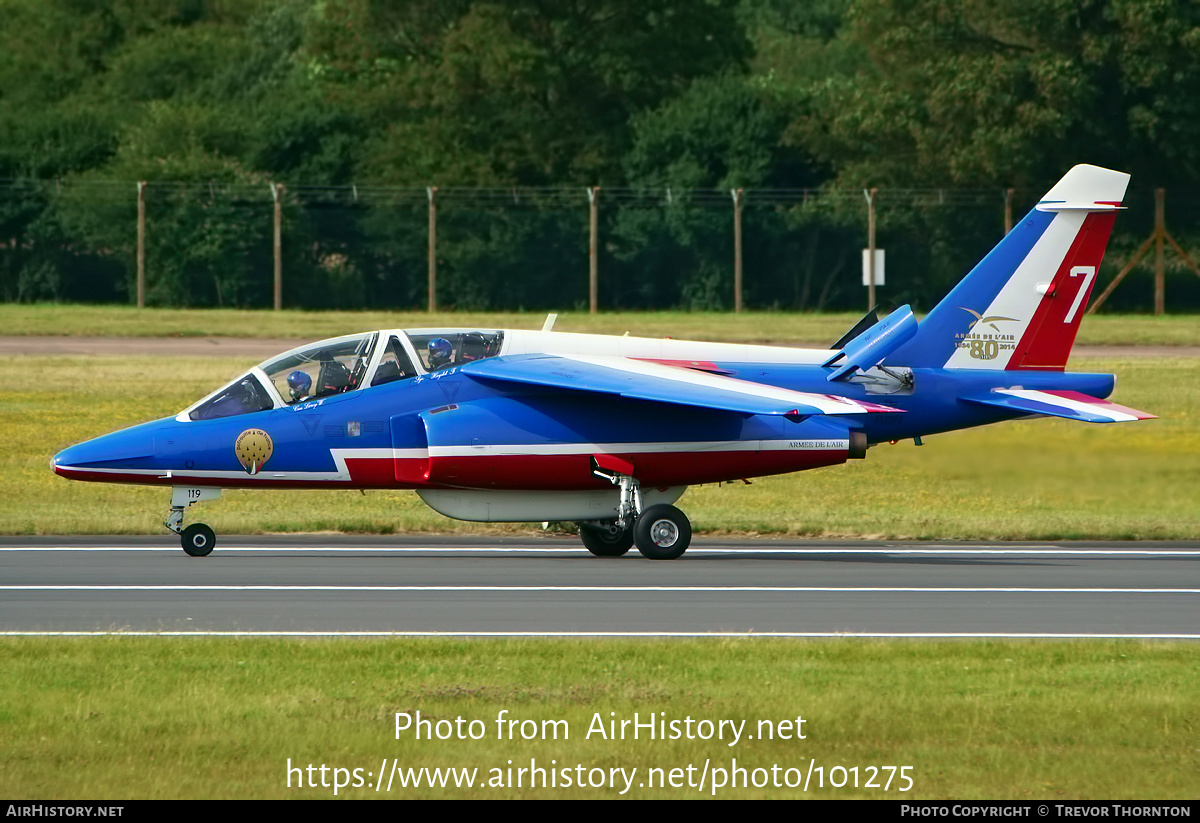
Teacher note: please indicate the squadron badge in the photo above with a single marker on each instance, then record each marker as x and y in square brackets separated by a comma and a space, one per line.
[253, 448]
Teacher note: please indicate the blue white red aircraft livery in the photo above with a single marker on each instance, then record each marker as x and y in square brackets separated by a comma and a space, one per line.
[510, 425]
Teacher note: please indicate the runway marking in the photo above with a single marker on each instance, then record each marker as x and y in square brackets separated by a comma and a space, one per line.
[695, 550]
[599, 634]
[255, 587]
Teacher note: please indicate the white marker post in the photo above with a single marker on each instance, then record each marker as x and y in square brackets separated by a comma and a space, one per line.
[872, 272]
[872, 275]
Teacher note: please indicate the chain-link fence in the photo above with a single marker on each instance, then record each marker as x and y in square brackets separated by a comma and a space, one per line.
[522, 248]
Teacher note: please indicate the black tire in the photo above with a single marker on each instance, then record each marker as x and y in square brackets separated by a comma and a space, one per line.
[662, 532]
[198, 540]
[605, 542]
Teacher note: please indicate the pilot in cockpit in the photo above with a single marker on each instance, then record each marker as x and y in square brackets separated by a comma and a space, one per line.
[299, 386]
[441, 353]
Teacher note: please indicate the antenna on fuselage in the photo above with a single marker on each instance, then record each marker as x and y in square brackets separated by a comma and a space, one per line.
[549, 324]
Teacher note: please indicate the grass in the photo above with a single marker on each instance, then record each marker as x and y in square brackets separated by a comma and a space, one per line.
[1030, 480]
[757, 326]
[124, 717]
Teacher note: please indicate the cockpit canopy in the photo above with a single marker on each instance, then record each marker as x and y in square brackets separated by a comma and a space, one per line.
[345, 364]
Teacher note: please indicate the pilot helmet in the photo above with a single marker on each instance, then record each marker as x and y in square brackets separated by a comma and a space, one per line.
[299, 384]
[440, 352]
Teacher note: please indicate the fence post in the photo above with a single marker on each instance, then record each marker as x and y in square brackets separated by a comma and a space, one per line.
[737, 249]
[593, 194]
[1155, 239]
[1008, 196]
[276, 189]
[141, 245]
[431, 191]
[870, 195]
[1160, 228]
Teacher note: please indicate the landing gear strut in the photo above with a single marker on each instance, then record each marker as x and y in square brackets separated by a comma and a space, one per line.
[661, 532]
[197, 539]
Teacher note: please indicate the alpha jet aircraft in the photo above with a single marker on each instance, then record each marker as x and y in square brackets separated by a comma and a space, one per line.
[511, 425]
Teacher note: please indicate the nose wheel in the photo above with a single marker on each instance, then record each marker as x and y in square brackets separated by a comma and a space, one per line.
[197, 539]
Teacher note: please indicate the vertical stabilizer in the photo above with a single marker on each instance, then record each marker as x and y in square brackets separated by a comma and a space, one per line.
[1020, 307]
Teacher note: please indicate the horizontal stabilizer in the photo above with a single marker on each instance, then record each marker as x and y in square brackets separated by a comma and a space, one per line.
[643, 380]
[1069, 404]
[876, 343]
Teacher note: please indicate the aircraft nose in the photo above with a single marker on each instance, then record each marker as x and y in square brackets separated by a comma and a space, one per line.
[79, 456]
[63, 458]
[126, 449]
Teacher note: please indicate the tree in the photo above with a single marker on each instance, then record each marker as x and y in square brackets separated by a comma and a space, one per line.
[517, 93]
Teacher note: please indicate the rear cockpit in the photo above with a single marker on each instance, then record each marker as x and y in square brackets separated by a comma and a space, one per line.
[345, 364]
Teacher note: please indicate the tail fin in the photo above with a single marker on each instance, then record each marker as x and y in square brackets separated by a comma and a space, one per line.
[1020, 307]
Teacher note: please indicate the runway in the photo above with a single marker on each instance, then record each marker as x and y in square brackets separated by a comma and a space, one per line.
[357, 585]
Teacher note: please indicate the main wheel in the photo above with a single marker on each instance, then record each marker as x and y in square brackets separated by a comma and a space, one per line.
[198, 540]
[662, 532]
[605, 541]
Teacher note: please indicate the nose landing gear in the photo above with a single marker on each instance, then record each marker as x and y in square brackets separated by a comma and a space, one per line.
[197, 539]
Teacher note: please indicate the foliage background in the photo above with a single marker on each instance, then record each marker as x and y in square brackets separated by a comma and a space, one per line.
[513, 108]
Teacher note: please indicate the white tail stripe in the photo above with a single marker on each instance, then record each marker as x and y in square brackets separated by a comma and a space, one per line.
[1019, 297]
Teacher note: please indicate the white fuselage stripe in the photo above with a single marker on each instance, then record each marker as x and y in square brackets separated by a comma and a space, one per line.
[551, 449]
[674, 374]
[340, 456]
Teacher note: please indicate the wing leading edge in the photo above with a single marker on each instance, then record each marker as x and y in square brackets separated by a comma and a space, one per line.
[645, 380]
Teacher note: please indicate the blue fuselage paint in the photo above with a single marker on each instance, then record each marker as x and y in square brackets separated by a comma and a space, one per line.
[461, 414]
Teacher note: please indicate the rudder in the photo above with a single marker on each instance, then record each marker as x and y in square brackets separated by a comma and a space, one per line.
[1020, 307]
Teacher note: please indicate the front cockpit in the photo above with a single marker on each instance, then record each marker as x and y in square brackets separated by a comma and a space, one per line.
[344, 364]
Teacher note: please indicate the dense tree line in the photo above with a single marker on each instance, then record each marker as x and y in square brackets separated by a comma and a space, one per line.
[513, 108]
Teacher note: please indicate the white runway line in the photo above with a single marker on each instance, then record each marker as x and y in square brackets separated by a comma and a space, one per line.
[256, 587]
[695, 551]
[617, 635]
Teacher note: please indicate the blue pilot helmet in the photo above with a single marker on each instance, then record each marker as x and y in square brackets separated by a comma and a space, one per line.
[440, 352]
[299, 384]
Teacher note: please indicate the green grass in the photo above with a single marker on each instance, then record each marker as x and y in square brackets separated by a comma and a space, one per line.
[1022, 480]
[124, 717]
[1042, 479]
[817, 329]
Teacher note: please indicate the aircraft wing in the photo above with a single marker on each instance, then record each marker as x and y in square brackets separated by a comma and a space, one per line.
[647, 380]
[1069, 404]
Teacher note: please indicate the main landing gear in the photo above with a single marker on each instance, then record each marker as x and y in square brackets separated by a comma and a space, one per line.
[197, 539]
[661, 532]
